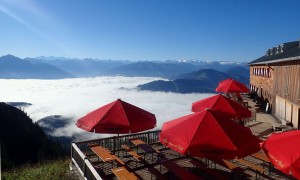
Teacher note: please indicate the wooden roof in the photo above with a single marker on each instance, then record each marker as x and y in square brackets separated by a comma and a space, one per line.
[290, 52]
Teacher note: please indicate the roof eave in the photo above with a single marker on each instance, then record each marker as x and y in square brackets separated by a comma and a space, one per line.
[277, 60]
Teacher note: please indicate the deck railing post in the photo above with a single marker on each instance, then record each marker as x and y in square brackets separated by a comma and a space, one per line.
[84, 168]
[114, 143]
[72, 150]
[148, 137]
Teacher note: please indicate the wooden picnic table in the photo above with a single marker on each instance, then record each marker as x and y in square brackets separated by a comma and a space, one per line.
[144, 146]
[123, 174]
[132, 153]
[178, 170]
[264, 158]
[204, 168]
[102, 153]
[261, 156]
[230, 166]
[105, 155]
[151, 169]
[252, 166]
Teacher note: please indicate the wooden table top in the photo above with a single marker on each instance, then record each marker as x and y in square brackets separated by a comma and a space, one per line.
[102, 153]
[122, 173]
[261, 156]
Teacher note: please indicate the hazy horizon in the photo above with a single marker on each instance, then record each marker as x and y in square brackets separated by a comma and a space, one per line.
[49, 58]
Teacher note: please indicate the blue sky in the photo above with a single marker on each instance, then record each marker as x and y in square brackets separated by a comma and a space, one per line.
[236, 30]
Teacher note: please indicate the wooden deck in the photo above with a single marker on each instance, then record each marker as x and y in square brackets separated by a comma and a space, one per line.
[146, 164]
[149, 167]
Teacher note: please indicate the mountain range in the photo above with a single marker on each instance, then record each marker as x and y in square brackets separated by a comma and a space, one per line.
[202, 81]
[12, 67]
[183, 76]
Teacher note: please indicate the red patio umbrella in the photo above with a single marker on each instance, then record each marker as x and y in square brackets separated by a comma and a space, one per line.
[283, 150]
[231, 86]
[205, 134]
[117, 117]
[221, 104]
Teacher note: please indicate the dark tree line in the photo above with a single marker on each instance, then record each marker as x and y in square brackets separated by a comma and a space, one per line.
[23, 141]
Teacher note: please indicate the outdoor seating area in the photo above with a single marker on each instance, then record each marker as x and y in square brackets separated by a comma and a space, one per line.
[120, 158]
[221, 139]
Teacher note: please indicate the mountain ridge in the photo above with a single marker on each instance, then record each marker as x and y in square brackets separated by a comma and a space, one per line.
[18, 132]
[183, 76]
[202, 81]
[12, 67]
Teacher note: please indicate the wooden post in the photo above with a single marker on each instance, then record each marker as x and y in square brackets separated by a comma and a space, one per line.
[114, 144]
[148, 137]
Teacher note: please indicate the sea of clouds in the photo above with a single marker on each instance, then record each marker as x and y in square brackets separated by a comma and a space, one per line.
[74, 98]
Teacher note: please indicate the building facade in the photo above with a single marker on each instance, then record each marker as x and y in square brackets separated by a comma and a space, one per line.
[275, 82]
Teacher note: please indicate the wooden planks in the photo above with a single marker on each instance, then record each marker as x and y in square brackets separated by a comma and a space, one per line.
[261, 156]
[252, 166]
[123, 174]
[132, 153]
[105, 155]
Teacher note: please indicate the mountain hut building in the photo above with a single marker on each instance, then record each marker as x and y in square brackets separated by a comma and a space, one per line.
[275, 82]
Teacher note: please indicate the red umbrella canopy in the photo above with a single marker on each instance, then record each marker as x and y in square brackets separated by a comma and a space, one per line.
[283, 149]
[204, 134]
[231, 86]
[117, 117]
[222, 104]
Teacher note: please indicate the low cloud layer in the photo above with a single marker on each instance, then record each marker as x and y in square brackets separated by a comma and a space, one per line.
[73, 98]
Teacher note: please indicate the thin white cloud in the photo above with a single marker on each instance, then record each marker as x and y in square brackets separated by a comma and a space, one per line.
[17, 18]
[34, 17]
[74, 98]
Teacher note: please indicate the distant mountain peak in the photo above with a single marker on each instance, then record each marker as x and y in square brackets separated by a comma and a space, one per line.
[9, 57]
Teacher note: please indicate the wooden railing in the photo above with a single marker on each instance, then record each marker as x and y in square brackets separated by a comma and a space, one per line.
[83, 165]
[79, 150]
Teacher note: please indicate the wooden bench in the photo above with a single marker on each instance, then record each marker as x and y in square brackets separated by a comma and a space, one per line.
[140, 159]
[264, 158]
[231, 166]
[146, 148]
[204, 168]
[256, 168]
[261, 156]
[178, 170]
[123, 174]
[132, 153]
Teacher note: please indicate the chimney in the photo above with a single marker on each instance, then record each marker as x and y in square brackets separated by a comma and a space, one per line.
[271, 51]
[281, 48]
[276, 49]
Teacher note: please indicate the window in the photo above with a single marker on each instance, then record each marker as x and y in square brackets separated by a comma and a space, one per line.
[260, 71]
[286, 79]
[276, 78]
